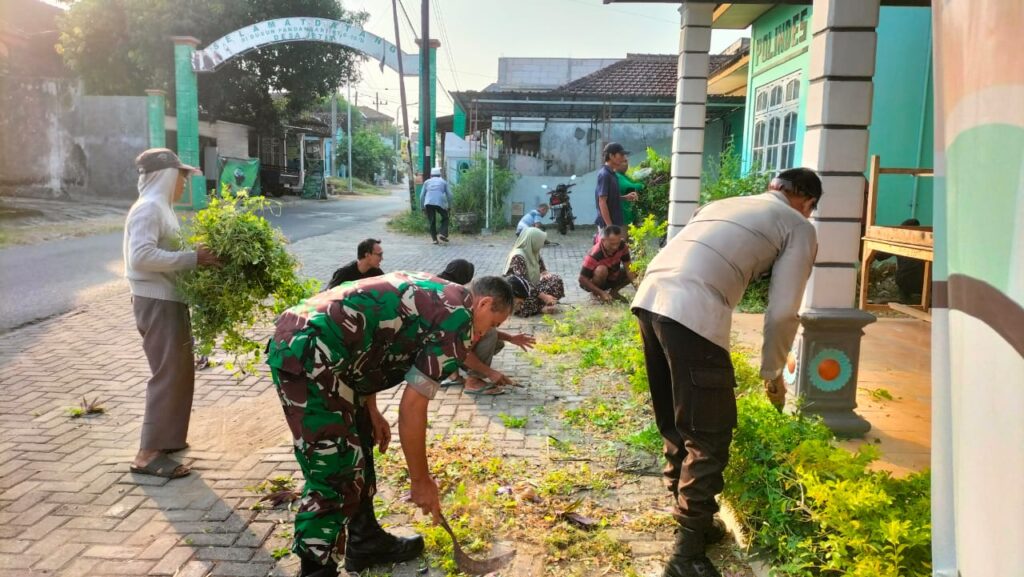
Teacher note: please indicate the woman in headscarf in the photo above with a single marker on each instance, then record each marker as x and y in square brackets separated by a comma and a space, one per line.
[545, 288]
[459, 271]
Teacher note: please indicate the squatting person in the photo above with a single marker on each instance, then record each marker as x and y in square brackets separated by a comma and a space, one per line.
[605, 269]
[369, 255]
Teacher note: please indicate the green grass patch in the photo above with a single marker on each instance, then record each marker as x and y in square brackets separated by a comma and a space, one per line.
[647, 439]
[511, 422]
[409, 222]
[359, 186]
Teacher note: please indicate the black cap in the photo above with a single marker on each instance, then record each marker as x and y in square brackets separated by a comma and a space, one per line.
[156, 159]
[614, 148]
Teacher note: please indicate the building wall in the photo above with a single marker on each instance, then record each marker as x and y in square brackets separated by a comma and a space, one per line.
[770, 62]
[574, 146]
[545, 73]
[61, 144]
[901, 128]
[112, 131]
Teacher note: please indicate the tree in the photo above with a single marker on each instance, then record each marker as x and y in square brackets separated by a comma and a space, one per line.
[124, 47]
[370, 156]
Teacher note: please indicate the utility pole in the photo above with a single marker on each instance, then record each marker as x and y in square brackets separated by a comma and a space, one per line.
[413, 205]
[334, 134]
[376, 101]
[348, 106]
[425, 120]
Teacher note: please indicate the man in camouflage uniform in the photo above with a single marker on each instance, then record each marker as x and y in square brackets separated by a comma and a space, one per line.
[329, 356]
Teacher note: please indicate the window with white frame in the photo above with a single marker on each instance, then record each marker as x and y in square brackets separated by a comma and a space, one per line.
[773, 147]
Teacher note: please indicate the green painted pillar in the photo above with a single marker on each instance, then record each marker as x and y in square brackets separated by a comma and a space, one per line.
[186, 103]
[459, 121]
[156, 104]
[428, 129]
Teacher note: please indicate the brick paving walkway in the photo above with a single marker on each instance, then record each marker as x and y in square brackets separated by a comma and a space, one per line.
[69, 506]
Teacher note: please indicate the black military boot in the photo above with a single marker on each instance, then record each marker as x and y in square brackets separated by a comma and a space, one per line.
[312, 568]
[369, 544]
[715, 532]
[688, 558]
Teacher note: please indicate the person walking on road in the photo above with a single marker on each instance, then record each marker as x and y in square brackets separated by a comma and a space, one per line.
[437, 198]
[151, 262]
[684, 305]
[329, 357]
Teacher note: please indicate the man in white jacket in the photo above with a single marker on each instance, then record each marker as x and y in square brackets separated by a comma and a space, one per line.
[151, 260]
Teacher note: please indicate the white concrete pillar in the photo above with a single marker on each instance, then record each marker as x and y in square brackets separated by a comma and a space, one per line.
[691, 102]
[826, 355]
[836, 142]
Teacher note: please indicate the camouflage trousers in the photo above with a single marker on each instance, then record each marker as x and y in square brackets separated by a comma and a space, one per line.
[333, 441]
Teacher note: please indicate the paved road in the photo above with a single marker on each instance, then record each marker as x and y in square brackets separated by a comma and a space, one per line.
[51, 278]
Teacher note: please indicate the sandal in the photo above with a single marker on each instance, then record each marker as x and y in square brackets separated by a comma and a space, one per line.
[452, 382]
[490, 390]
[162, 466]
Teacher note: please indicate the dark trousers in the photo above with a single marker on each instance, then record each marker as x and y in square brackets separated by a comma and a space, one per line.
[693, 392]
[431, 211]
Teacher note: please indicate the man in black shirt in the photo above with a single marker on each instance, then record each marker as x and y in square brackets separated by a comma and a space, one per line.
[607, 194]
[369, 255]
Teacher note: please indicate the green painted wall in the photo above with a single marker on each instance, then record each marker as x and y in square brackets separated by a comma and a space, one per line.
[901, 130]
[778, 50]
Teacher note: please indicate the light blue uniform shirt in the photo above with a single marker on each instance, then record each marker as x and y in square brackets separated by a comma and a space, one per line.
[435, 192]
[529, 219]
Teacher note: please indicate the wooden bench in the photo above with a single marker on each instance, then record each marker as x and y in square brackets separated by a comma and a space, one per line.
[915, 242]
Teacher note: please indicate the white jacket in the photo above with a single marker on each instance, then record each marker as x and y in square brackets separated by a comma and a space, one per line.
[151, 258]
[699, 277]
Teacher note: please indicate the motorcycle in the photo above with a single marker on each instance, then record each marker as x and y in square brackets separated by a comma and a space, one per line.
[561, 208]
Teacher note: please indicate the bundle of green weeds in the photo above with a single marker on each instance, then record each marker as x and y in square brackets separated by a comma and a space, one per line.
[258, 278]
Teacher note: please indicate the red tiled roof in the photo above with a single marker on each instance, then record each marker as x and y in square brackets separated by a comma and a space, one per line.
[640, 75]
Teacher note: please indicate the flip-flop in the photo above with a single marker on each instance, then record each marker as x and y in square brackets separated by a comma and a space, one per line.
[486, 391]
[452, 382]
[162, 466]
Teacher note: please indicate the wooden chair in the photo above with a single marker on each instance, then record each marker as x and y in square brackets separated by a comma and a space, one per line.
[915, 242]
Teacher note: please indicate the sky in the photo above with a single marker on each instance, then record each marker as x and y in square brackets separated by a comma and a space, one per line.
[475, 33]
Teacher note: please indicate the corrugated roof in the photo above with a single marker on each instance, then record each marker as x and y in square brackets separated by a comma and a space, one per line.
[640, 75]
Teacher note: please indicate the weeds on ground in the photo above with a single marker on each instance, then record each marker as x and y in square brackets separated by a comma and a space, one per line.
[486, 497]
[409, 222]
[816, 509]
[273, 492]
[86, 408]
[511, 422]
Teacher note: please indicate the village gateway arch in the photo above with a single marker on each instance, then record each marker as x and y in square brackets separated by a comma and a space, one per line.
[189, 61]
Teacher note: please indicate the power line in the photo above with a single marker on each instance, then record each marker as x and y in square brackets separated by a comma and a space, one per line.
[449, 49]
[408, 20]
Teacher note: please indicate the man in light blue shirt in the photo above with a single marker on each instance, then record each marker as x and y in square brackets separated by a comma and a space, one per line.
[532, 218]
[436, 200]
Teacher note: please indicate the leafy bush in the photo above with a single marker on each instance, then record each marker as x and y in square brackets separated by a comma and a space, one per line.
[723, 179]
[258, 278]
[653, 200]
[818, 509]
[469, 194]
[644, 242]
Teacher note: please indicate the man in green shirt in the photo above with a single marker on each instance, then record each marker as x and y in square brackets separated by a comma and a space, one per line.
[329, 356]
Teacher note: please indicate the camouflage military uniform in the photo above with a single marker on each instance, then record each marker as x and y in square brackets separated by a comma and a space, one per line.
[331, 351]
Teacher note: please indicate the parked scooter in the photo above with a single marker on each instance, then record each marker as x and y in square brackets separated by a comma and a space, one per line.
[561, 208]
